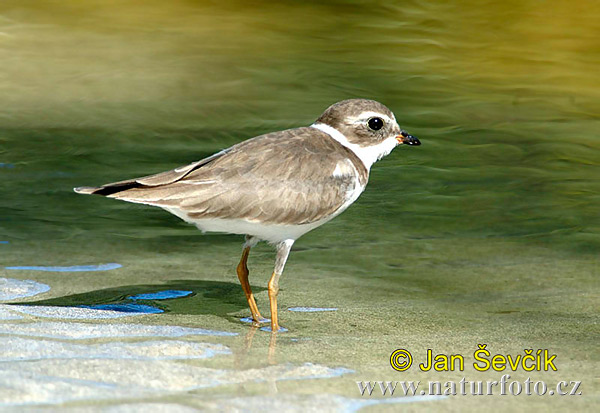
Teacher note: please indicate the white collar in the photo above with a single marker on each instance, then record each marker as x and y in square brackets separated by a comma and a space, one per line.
[367, 154]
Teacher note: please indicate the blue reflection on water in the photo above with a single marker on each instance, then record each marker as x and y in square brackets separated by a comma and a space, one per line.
[74, 268]
[126, 308]
[311, 309]
[11, 289]
[251, 320]
[161, 295]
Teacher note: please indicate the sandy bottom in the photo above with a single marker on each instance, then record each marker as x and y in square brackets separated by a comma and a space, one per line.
[54, 363]
[159, 334]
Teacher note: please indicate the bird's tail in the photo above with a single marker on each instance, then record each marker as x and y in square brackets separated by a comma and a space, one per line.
[163, 178]
[108, 189]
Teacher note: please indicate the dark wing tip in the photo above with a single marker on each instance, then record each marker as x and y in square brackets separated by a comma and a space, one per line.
[107, 189]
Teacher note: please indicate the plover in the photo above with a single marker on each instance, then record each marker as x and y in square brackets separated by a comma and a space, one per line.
[274, 187]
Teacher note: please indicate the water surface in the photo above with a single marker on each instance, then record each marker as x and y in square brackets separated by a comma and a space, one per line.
[488, 232]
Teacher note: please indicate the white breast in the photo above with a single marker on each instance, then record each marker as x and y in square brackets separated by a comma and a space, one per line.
[367, 154]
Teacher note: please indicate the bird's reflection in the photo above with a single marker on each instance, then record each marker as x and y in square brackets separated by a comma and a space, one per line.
[243, 360]
[241, 357]
[272, 346]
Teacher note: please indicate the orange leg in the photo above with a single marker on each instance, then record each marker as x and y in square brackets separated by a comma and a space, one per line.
[273, 290]
[242, 272]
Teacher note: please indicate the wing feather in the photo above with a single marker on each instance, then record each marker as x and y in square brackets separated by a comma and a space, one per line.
[283, 178]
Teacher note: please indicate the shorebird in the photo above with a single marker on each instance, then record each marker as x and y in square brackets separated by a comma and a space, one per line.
[274, 187]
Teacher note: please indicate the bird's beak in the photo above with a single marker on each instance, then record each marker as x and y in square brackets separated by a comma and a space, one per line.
[406, 139]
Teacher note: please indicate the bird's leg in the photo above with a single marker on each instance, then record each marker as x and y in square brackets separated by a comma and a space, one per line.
[242, 272]
[283, 250]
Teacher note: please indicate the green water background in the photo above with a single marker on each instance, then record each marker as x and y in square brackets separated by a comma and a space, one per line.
[488, 231]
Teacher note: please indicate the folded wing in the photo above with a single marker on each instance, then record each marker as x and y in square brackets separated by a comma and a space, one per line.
[290, 177]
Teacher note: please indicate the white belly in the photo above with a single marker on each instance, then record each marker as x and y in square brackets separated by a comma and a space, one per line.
[268, 232]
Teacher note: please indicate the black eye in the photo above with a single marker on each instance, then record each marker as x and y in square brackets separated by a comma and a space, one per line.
[375, 123]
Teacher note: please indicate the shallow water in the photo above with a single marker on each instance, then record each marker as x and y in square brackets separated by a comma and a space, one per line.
[487, 233]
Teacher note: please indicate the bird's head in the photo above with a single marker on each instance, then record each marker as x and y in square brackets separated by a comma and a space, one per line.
[366, 127]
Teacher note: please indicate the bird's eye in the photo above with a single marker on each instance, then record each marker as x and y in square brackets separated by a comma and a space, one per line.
[375, 123]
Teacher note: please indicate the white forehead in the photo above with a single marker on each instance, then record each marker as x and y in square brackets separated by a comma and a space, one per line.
[368, 114]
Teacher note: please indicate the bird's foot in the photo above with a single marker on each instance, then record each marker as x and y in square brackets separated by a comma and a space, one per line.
[250, 320]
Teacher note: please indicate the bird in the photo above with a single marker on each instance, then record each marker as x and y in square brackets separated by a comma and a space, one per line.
[274, 187]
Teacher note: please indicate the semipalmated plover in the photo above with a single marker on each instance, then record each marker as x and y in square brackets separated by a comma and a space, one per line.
[274, 187]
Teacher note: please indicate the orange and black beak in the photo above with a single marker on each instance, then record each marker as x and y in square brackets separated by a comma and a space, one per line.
[406, 139]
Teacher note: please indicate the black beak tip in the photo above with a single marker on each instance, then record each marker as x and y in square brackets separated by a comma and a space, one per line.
[410, 140]
[413, 141]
